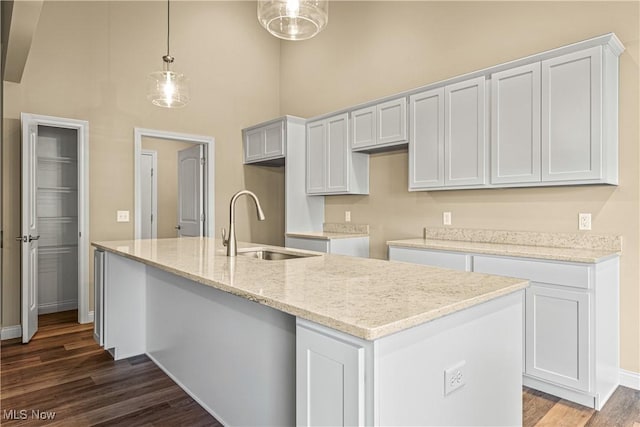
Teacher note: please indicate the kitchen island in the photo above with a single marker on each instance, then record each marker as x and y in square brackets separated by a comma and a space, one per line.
[323, 340]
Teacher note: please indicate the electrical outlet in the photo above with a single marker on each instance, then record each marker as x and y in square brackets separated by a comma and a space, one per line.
[584, 221]
[446, 218]
[454, 377]
[122, 216]
[347, 216]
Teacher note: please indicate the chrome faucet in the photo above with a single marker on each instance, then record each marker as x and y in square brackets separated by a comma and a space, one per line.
[230, 242]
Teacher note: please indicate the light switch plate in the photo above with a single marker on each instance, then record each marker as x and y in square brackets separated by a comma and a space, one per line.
[122, 216]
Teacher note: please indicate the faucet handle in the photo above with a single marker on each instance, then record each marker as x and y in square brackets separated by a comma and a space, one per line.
[223, 233]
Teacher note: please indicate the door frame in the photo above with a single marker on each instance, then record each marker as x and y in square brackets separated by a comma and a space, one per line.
[82, 127]
[209, 149]
[154, 190]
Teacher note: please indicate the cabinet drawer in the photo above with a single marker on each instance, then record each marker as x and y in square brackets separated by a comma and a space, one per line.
[455, 261]
[578, 276]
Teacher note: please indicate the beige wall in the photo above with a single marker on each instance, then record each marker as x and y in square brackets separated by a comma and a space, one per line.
[89, 60]
[374, 49]
[167, 176]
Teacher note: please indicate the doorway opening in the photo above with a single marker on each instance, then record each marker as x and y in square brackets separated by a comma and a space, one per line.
[174, 182]
[55, 226]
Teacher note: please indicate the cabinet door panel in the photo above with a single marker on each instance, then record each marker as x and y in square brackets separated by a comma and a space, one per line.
[316, 157]
[515, 125]
[392, 121]
[339, 154]
[426, 139]
[274, 140]
[557, 333]
[329, 380]
[363, 122]
[465, 133]
[571, 116]
[254, 145]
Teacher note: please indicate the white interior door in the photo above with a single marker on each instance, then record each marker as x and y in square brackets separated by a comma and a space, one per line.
[148, 195]
[30, 236]
[190, 191]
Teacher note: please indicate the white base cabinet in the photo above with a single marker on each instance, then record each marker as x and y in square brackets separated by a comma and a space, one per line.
[570, 320]
[400, 379]
[352, 246]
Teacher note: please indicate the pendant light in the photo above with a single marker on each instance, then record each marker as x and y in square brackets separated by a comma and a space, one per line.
[167, 88]
[293, 19]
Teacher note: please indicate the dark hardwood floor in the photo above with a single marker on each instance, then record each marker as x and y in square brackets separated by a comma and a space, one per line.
[63, 371]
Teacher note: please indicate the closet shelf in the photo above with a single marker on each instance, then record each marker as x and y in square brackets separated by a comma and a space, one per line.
[58, 249]
[59, 189]
[58, 219]
[57, 159]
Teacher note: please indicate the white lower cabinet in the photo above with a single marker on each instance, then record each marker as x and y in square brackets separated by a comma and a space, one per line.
[557, 335]
[570, 320]
[351, 246]
[330, 381]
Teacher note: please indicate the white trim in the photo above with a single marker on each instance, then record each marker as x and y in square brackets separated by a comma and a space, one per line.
[91, 316]
[154, 190]
[82, 126]
[9, 332]
[209, 146]
[630, 379]
[54, 307]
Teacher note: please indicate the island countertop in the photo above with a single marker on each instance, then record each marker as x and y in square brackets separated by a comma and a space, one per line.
[367, 298]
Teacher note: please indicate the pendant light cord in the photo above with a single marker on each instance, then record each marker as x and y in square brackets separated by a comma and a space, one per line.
[168, 27]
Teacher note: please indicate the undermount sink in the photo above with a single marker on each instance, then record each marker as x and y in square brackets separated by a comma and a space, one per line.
[271, 255]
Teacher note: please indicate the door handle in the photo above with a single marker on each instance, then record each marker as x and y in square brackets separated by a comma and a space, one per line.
[177, 227]
[33, 238]
[21, 239]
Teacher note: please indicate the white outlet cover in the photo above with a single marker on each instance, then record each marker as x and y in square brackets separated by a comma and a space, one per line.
[454, 377]
[584, 221]
[446, 218]
[347, 216]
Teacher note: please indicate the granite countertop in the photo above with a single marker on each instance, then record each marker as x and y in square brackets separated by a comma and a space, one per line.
[572, 247]
[329, 231]
[367, 298]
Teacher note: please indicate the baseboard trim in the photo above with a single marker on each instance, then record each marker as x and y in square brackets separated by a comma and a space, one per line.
[90, 317]
[10, 332]
[54, 307]
[630, 379]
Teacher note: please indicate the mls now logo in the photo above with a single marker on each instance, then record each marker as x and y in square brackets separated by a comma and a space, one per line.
[23, 414]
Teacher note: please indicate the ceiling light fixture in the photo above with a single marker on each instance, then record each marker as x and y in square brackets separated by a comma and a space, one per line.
[293, 19]
[167, 88]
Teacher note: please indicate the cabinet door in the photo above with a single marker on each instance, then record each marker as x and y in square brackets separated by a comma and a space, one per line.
[392, 121]
[426, 139]
[274, 140]
[329, 380]
[557, 334]
[338, 154]
[254, 145]
[571, 116]
[464, 138]
[316, 157]
[363, 123]
[515, 125]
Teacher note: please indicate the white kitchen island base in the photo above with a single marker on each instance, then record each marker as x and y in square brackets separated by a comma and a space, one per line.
[250, 364]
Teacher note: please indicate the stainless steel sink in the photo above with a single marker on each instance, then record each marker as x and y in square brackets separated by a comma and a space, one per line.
[271, 255]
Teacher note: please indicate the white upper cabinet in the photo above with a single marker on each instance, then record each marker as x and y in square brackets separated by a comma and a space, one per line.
[266, 142]
[572, 142]
[464, 136]
[515, 125]
[426, 139]
[379, 126]
[331, 166]
[447, 136]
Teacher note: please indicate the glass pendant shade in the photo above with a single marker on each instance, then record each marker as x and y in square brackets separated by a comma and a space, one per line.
[293, 19]
[168, 89]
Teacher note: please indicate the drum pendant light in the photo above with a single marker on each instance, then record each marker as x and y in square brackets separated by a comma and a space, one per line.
[293, 19]
[167, 88]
